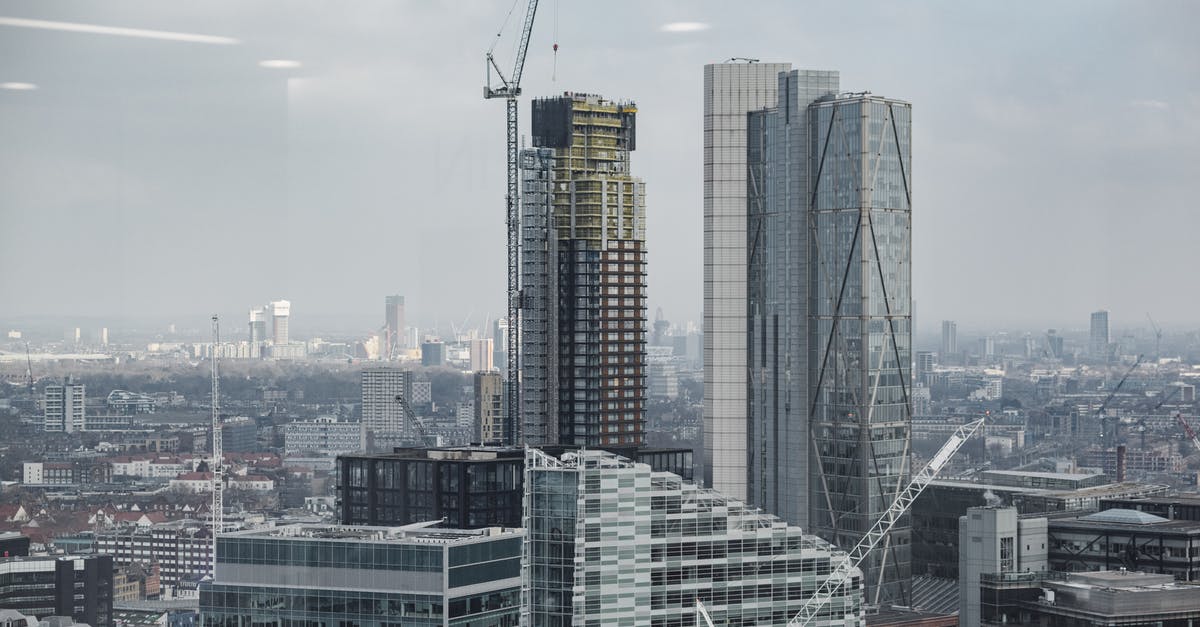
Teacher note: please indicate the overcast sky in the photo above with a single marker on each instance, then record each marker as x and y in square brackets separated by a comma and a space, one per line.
[1056, 149]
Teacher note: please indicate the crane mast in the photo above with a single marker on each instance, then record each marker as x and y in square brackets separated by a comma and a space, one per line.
[509, 90]
[218, 457]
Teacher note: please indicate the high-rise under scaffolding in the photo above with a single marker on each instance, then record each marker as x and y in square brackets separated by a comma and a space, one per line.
[583, 265]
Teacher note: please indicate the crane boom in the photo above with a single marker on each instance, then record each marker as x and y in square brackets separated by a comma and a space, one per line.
[1104, 436]
[1187, 428]
[841, 572]
[510, 90]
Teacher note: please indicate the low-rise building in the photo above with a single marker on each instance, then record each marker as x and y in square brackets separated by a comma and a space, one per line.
[80, 587]
[339, 575]
[1095, 599]
[182, 549]
[1120, 538]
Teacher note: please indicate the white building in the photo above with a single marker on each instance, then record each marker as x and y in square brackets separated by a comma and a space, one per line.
[992, 539]
[383, 389]
[324, 435]
[64, 410]
[630, 546]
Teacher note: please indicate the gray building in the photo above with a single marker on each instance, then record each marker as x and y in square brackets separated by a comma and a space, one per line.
[611, 542]
[731, 91]
[394, 338]
[364, 576]
[779, 289]
[383, 389]
[1100, 599]
[949, 346]
[995, 540]
[1099, 337]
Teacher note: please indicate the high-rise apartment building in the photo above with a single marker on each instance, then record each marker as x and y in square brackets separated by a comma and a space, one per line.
[281, 312]
[1099, 338]
[481, 354]
[258, 330]
[860, 369]
[64, 407]
[500, 344]
[393, 327]
[584, 277]
[612, 542]
[383, 389]
[489, 407]
[827, 296]
[949, 340]
[731, 90]
[778, 289]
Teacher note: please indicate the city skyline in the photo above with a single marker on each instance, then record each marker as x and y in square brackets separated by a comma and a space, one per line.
[989, 127]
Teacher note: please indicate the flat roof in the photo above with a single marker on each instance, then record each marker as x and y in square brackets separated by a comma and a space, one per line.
[408, 534]
[1065, 476]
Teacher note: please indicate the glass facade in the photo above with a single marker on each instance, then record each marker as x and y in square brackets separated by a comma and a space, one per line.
[313, 576]
[470, 487]
[611, 542]
[859, 336]
[777, 240]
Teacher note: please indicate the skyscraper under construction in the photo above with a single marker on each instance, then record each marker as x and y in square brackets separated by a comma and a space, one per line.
[583, 276]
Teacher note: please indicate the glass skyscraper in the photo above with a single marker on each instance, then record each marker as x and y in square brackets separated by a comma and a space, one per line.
[860, 282]
[828, 313]
[611, 542]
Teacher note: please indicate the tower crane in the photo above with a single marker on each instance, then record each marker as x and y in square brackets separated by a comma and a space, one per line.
[28, 369]
[840, 572]
[1105, 438]
[1157, 337]
[218, 457]
[1187, 428]
[510, 89]
[411, 419]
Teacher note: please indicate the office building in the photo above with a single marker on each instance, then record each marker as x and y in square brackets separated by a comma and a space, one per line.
[584, 270]
[79, 586]
[64, 409]
[481, 355]
[489, 408]
[779, 323]
[281, 313]
[470, 487]
[323, 436]
[611, 542]
[1115, 539]
[383, 389]
[949, 341]
[1099, 336]
[433, 353]
[731, 91]
[13, 544]
[995, 540]
[324, 575]
[1100, 599]
[239, 434]
[394, 339]
[104, 336]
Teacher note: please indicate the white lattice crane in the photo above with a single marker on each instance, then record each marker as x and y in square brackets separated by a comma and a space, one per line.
[509, 89]
[840, 572]
[218, 453]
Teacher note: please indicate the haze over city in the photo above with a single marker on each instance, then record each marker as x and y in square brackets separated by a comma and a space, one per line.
[172, 178]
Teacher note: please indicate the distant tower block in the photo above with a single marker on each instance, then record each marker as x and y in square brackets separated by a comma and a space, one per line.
[281, 311]
[394, 338]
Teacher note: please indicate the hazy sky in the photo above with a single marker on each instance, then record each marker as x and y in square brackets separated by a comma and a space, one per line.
[1056, 149]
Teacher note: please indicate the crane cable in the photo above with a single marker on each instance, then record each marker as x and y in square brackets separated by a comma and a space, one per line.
[554, 68]
[502, 26]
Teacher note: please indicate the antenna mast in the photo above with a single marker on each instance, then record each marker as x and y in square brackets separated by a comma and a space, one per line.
[218, 457]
